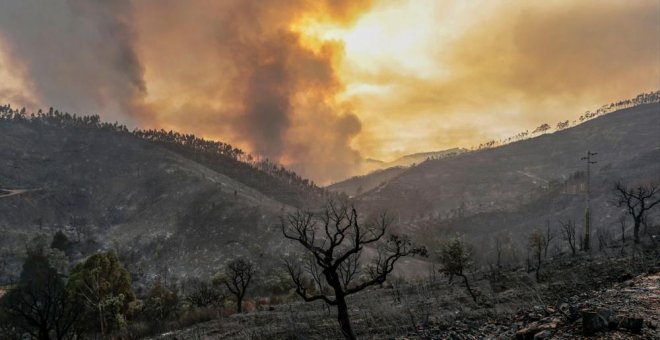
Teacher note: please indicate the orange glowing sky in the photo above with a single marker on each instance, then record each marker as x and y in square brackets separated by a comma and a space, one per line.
[322, 85]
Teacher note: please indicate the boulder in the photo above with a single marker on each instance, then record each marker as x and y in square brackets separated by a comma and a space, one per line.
[596, 321]
[546, 334]
[527, 333]
[634, 324]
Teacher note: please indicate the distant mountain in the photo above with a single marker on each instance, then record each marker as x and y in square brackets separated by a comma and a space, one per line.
[386, 170]
[417, 158]
[359, 184]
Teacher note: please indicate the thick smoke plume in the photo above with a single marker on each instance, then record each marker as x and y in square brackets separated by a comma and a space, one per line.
[248, 72]
[234, 70]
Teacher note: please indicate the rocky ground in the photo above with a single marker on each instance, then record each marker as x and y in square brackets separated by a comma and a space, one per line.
[627, 310]
[587, 296]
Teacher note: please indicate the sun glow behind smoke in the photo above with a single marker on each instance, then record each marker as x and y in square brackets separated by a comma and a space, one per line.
[425, 75]
[395, 44]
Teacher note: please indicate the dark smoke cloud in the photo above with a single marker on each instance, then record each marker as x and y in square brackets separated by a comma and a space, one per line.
[244, 74]
[235, 70]
[78, 54]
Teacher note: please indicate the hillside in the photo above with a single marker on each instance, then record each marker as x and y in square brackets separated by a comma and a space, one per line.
[503, 178]
[506, 192]
[359, 184]
[416, 158]
[108, 188]
[386, 171]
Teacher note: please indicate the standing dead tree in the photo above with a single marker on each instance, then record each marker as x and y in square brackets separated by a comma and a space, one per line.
[622, 224]
[604, 237]
[549, 236]
[498, 251]
[236, 277]
[637, 202]
[336, 239]
[568, 231]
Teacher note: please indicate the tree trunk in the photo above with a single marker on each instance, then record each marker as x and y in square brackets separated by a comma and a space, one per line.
[101, 320]
[43, 333]
[239, 304]
[467, 285]
[343, 318]
[638, 222]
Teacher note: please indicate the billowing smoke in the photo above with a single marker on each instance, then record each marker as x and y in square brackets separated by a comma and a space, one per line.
[242, 72]
[234, 70]
[239, 70]
[77, 55]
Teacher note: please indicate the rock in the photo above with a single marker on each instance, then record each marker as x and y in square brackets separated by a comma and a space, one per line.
[633, 324]
[573, 313]
[625, 277]
[528, 332]
[533, 317]
[595, 321]
[546, 334]
[628, 283]
[549, 324]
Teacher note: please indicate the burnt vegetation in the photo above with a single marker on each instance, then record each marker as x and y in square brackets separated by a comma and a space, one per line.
[334, 270]
[297, 265]
[264, 175]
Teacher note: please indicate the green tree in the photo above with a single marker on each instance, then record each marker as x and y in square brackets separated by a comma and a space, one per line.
[456, 257]
[38, 305]
[161, 303]
[102, 287]
[537, 241]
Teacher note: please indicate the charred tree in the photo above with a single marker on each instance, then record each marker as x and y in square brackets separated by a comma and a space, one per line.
[335, 240]
[236, 277]
[637, 201]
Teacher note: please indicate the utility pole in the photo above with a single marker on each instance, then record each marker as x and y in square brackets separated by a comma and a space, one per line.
[586, 242]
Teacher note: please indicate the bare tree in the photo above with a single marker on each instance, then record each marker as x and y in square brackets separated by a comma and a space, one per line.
[336, 239]
[549, 236]
[236, 277]
[498, 251]
[568, 231]
[604, 238]
[203, 294]
[637, 201]
[537, 244]
[622, 223]
[456, 257]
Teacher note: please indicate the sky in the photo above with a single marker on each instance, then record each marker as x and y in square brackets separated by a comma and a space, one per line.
[321, 85]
